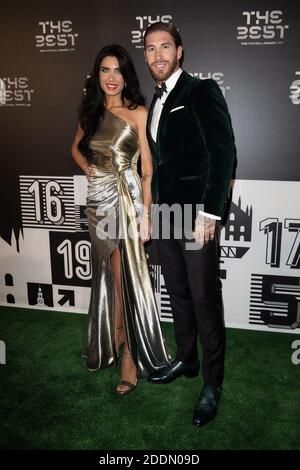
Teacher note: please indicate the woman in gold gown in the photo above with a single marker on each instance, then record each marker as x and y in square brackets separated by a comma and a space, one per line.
[110, 138]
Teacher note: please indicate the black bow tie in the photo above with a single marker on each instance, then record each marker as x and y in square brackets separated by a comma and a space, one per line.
[160, 90]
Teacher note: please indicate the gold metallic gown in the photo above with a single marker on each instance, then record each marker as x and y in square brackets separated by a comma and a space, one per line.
[113, 202]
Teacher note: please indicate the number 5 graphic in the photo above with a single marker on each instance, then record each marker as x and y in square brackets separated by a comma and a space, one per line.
[281, 298]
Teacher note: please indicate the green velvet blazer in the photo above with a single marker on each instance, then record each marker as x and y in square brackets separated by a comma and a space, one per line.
[194, 155]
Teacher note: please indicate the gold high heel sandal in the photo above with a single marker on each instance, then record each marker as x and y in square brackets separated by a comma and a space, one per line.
[131, 386]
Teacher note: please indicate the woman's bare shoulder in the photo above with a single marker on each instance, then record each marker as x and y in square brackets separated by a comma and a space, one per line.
[140, 114]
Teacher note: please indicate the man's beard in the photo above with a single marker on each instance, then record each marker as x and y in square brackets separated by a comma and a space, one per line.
[168, 73]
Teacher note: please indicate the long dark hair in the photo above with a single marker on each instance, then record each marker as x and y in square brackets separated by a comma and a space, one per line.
[92, 108]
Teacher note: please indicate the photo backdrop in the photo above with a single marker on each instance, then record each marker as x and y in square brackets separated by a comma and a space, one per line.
[250, 48]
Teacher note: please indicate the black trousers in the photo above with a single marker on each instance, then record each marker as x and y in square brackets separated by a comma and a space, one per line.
[194, 286]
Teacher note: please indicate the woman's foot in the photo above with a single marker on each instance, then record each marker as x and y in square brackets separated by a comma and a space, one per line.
[128, 380]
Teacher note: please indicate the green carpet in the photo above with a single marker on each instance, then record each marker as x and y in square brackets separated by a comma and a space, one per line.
[49, 400]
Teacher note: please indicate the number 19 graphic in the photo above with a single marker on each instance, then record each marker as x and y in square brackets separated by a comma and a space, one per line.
[70, 258]
[82, 252]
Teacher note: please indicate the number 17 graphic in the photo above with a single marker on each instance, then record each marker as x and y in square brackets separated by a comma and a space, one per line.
[272, 227]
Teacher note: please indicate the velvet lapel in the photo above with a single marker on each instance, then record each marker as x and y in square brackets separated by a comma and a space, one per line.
[151, 142]
[184, 77]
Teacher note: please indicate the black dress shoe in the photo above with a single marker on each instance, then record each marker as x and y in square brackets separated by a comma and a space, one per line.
[173, 371]
[207, 405]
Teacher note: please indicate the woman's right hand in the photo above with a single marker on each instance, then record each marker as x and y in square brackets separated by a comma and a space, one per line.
[90, 170]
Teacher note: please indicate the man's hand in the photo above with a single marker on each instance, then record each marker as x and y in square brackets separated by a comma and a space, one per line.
[204, 229]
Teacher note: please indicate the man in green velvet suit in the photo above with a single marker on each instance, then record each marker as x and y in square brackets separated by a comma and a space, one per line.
[191, 139]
